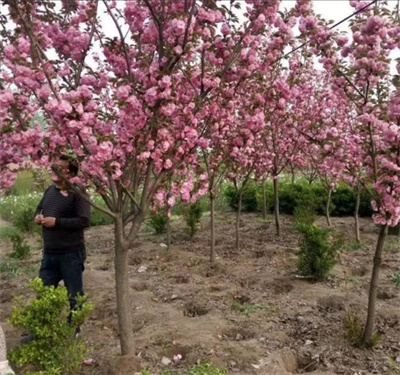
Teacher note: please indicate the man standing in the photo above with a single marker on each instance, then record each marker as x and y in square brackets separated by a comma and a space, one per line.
[64, 215]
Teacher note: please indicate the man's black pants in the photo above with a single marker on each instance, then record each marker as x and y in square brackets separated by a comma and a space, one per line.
[68, 267]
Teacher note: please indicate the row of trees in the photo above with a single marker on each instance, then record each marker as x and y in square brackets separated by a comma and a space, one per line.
[185, 93]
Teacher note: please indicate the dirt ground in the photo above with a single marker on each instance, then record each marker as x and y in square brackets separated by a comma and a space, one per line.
[250, 313]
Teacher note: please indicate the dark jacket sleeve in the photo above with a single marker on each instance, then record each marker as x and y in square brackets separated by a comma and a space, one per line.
[82, 219]
[39, 208]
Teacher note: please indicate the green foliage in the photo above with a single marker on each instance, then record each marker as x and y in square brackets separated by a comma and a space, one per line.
[7, 232]
[54, 349]
[318, 252]
[304, 213]
[99, 217]
[248, 308]
[352, 246]
[396, 278]
[201, 369]
[21, 250]
[192, 214]
[23, 184]
[158, 222]
[353, 330]
[205, 369]
[249, 199]
[20, 211]
[292, 195]
[10, 269]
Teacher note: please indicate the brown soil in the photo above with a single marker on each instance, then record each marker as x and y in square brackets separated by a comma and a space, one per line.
[250, 313]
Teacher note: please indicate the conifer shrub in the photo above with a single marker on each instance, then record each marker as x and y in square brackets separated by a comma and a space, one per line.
[318, 251]
[192, 214]
[158, 221]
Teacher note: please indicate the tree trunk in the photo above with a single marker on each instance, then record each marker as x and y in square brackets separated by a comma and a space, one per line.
[168, 228]
[212, 223]
[292, 170]
[356, 218]
[122, 291]
[328, 208]
[264, 195]
[276, 206]
[239, 211]
[373, 289]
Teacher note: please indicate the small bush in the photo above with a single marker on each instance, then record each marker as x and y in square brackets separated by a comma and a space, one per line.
[158, 222]
[192, 214]
[249, 198]
[20, 211]
[21, 250]
[304, 213]
[54, 349]
[353, 330]
[318, 252]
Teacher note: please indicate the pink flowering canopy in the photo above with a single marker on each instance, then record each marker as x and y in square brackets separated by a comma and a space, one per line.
[123, 87]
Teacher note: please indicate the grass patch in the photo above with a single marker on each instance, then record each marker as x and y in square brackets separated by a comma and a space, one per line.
[395, 277]
[10, 269]
[392, 245]
[202, 369]
[249, 308]
[353, 246]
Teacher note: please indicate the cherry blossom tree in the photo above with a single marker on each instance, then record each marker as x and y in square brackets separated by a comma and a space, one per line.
[131, 107]
[362, 72]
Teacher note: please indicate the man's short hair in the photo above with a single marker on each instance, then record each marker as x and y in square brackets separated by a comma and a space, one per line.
[72, 164]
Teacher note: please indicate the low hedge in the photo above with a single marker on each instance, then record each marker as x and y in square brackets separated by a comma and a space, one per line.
[343, 199]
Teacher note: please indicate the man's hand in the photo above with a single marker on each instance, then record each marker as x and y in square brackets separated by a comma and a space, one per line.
[38, 219]
[48, 222]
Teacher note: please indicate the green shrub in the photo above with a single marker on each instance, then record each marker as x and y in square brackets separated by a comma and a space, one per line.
[20, 211]
[353, 330]
[98, 217]
[291, 195]
[158, 222]
[249, 198]
[318, 252]
[192, 214]
[304, 214]
[352, 326]
[54, 349]
[21, 250]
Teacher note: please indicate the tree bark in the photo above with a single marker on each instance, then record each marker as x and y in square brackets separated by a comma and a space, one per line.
[276, 206]
[356, 217]
[328, 208]
[168, 228]
[373, 289]
[212, 223]
[264, 195]
[239, 211]
[122, 290]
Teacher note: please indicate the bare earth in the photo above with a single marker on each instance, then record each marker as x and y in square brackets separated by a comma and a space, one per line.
[182, 305]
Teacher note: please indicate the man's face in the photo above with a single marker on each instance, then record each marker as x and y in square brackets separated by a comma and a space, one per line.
[62, 167]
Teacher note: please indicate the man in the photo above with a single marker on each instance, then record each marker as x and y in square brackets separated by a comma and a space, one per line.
[64, 215]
